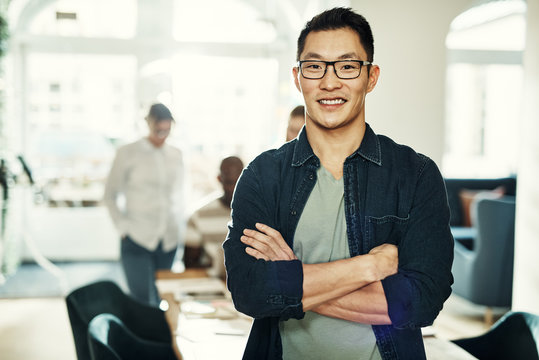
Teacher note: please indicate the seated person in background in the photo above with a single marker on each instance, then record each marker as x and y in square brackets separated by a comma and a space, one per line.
[295, 122]
[207, 227]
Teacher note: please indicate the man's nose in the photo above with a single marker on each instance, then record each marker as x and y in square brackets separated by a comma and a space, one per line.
[330, 80]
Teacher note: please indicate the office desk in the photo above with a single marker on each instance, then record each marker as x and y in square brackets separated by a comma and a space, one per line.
[207, 328]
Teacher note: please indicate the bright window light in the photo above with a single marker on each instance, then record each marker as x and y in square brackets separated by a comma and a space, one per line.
[224, 106]
[496, 25]
[232, 21]
[76, 108]
[483, 94]
[96, 18]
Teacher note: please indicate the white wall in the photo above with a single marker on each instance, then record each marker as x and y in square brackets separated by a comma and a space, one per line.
[408, 105]
[409, 46]
[526, 273]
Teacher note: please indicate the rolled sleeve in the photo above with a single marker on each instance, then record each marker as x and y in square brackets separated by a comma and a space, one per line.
[415, 295]
[259, 288]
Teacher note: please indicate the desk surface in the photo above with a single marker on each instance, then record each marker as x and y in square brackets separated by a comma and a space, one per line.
[210, 328]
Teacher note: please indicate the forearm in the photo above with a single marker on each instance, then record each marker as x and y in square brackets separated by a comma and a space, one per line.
[263, 289]
[329, 281]
[367, 305]
[324, 281]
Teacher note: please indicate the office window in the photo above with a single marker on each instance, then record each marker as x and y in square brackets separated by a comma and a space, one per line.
[222, 112]
[75, 108]
[484, 84]
[96, 18]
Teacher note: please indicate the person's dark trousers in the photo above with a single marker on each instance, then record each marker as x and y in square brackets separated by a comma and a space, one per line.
[139, 266]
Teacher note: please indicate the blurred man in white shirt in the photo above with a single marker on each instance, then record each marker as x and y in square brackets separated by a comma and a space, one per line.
[149, 175]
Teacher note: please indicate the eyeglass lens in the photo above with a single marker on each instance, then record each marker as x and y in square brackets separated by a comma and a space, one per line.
[343, 69]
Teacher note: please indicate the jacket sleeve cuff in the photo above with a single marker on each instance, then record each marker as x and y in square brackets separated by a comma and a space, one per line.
[289, 277]
[398, 293]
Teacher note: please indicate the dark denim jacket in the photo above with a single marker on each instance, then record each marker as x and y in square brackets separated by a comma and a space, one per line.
[392, 195]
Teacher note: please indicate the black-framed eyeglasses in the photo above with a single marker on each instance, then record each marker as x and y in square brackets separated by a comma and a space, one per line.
[344, 69]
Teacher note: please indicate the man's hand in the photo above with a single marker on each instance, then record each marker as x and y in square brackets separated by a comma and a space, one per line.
[267, 244]
[386, 261]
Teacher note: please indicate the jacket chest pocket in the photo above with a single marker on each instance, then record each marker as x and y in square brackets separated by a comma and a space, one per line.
[385, 230]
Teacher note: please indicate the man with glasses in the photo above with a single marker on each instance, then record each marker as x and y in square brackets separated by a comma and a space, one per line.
[339, 244]
[148, 174]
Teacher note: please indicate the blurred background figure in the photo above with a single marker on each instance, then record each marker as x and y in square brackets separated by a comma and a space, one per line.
[295, 121]
[148, 176]
[207, 227]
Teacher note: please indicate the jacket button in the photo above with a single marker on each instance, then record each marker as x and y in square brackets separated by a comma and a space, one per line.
[293, 212]
[311, 176]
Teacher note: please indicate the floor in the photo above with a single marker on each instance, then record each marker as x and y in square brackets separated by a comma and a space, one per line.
[33, 316]
[35, 329]
[39, 328]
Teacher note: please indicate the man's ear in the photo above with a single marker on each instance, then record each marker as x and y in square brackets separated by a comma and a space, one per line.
[295, 73]
[374, 74]
[220, 179]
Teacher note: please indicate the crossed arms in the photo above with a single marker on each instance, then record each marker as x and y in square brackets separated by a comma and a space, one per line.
[348, 289]
[267, 281]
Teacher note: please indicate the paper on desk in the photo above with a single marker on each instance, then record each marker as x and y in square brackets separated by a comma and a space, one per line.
[208, 330]
[208, 309]
[193, 287]
[428, 331]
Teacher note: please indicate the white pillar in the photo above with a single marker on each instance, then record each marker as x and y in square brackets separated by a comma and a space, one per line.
[526, 268]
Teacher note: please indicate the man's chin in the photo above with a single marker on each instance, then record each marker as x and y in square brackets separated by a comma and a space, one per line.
[331, 124]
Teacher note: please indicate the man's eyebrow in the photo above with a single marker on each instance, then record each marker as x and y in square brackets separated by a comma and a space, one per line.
[350, 55]
[312, 55]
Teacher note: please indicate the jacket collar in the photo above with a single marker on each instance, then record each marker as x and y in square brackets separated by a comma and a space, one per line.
[369, 148]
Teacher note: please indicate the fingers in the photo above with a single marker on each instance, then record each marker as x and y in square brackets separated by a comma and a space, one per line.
[260, 243]
[387, 259]
[385, 250]
[272, 233]
[267, 244]
[277, 238]
[256, 254]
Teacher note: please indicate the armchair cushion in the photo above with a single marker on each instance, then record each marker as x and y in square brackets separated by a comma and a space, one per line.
[454, 186]
[467, 197]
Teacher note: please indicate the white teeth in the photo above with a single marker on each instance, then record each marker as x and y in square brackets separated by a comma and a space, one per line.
[332, 102]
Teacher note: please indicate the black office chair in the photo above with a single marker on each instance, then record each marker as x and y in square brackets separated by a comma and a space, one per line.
[110, 339]
[514, 336]
[85, 303]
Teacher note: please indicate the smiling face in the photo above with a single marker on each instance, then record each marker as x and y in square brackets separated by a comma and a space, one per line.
[159, 131]
[333, 103]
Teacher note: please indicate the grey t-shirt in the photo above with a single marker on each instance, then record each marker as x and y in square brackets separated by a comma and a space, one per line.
[321, 237]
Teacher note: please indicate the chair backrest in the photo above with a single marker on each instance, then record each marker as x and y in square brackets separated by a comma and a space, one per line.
[98, 338]
[514, 336]
[110, 339]
[494, 246]
[85, 303]
[454, 186]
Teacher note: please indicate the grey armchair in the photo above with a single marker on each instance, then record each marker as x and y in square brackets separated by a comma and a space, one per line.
[484, 274]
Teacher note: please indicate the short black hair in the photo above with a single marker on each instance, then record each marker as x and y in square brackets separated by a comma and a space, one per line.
[160, 112]
[338, 18]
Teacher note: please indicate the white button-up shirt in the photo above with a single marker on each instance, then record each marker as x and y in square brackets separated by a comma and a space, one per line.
[150, 179]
